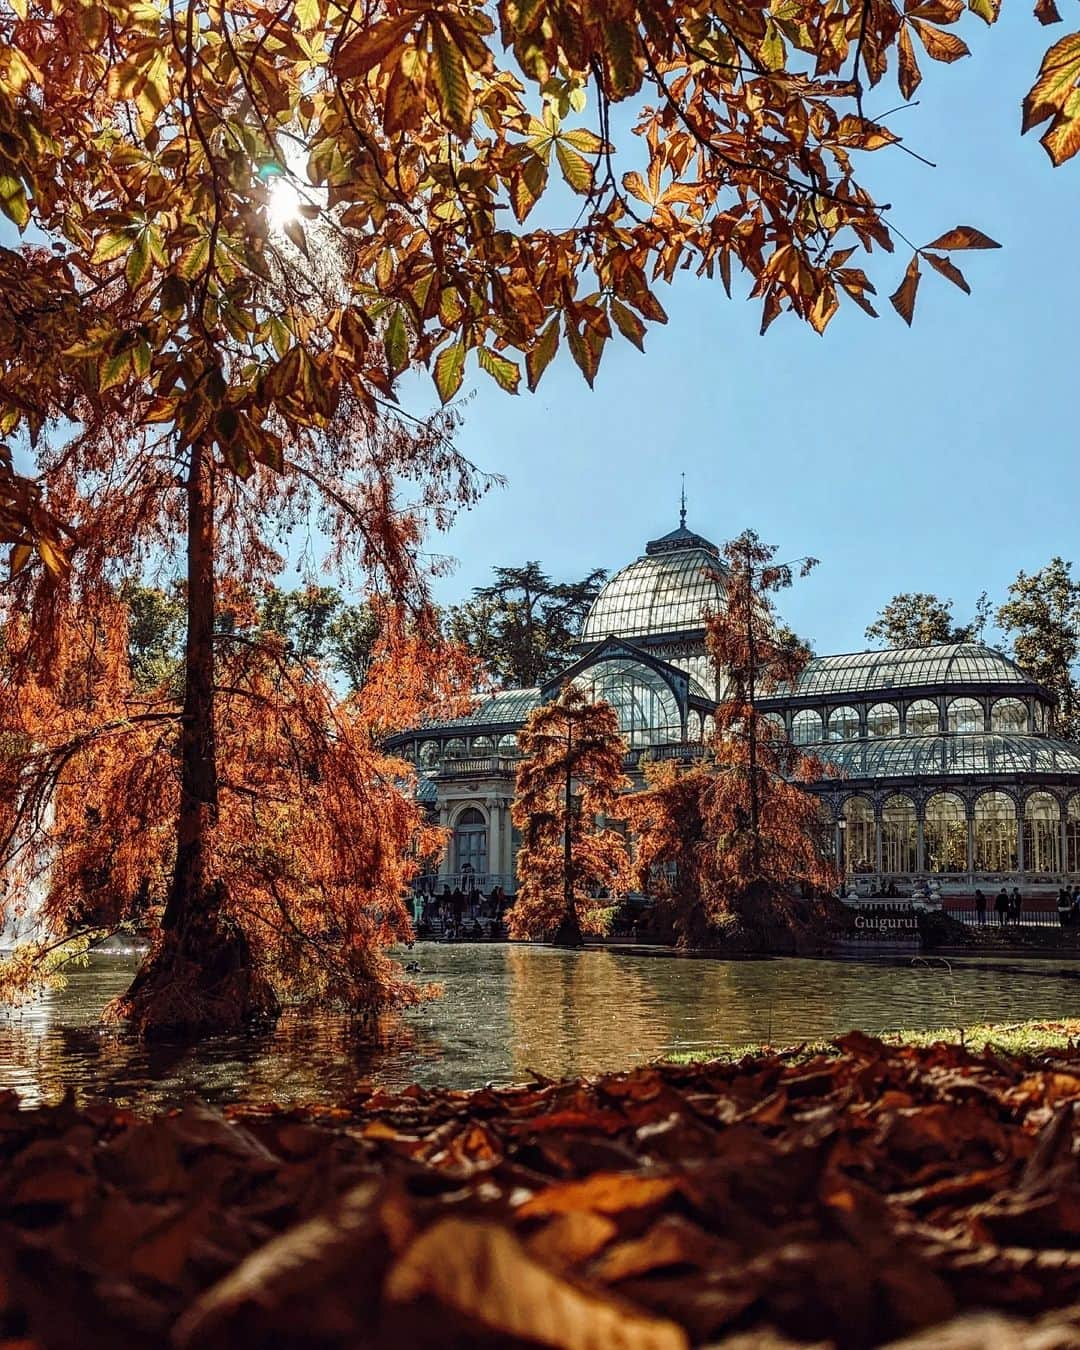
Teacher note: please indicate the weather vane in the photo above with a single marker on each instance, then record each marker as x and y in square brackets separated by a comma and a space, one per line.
[682, 503]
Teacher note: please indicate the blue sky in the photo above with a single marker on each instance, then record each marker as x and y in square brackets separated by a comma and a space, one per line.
[941, 458]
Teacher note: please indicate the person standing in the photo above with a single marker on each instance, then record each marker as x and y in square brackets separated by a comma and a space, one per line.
[980, 908]
[1016, 905]
[1001, 905]
[1065, 904]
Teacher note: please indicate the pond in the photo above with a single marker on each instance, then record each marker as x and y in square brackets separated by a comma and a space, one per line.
[508, 1010]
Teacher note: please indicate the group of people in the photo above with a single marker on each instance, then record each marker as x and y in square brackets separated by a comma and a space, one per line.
[459, 912]
[1008, 906]
[1069, 906]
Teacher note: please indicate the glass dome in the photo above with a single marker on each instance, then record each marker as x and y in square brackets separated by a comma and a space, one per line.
[951, 663]
[667, 590]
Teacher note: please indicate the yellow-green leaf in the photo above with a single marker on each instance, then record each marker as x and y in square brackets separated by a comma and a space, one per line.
[396, 343]
[110, 246]
[194, 258]
[505, 372]
[576, 168]
[451, 80]
[112, 369]
[13, 200]
[449, 370]
[138, 261]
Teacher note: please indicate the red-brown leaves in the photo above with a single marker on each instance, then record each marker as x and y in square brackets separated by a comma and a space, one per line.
[883, 1192]
[570, 776]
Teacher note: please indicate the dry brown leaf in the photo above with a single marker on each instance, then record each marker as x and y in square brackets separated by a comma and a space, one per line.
[481, 1271]
[604, 1193]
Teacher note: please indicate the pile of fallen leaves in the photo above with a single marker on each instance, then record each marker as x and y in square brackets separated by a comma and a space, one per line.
[847, 1200]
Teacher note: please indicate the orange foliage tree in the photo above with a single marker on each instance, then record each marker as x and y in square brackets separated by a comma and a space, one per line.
[570, 779]
[315, 840]
[737, 829]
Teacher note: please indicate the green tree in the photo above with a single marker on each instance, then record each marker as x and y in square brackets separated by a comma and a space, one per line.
[523, 625]
[916, 619]
[1042, 617]
[155, 633]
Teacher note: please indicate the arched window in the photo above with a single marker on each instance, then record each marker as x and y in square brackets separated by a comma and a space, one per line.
[899, 836]
[995, 833]
[508, 744]
[470, 842]
[923, 718]
[806, 727]
[859, 835]
[429, 754]
[647, 709]
[1042, 717]
[772, 727]
[483, 746]
[454, 749]
[945, 833]
[708, 727]
[965, 715]
[883, 720]
[1042, 833]
[1010, 716]
[844, 724]
[1072, 833]
[693, 726]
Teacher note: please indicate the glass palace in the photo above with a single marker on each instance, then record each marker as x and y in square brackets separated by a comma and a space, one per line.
[940, 762]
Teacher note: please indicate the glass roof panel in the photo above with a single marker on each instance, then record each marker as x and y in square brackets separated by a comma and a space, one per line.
[926, 756]
[904, 668]
[507, 706]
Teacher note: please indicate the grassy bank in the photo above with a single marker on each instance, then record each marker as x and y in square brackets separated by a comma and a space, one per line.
[1018, 1038]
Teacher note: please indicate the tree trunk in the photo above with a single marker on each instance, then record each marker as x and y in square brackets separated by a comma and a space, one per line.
[568, 933]
[200, 976]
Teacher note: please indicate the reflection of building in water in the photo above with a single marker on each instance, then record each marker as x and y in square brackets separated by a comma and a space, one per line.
[939, 760]
[562, 1012]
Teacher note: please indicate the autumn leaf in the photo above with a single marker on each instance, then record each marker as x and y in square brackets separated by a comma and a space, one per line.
[504, 372]
[940, 45]
[449, 370]
[576, 169]
[538, 358]
[450, 78]
[13, 201]
[628, 323]
[482, 1271]
[948, 269]
[963, 236]
[1054, 97]
[903, 298]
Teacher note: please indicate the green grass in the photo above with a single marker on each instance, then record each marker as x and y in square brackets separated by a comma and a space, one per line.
[1018, 1038]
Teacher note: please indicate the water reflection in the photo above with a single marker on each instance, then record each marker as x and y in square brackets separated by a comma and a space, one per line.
[506, 1011]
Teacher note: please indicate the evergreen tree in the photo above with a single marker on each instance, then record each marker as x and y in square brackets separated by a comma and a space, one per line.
[1042, 615]
[523, 625]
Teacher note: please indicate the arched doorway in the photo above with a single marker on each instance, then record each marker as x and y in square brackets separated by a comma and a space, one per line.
[471, 843]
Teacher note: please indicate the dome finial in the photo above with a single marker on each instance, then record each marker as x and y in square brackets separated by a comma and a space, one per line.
[682, 504]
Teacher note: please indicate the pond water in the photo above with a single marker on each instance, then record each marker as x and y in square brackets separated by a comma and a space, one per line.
[507, 1010]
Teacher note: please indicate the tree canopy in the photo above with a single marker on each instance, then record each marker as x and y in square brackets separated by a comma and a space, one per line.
[917, 619]
[523, 625]
[1042, 616]
[257, 214]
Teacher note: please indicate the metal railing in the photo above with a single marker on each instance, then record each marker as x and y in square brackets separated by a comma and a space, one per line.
[1038, 913]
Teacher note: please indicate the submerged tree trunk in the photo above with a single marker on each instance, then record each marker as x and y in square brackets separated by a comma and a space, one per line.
[200, 976]
[568, 933]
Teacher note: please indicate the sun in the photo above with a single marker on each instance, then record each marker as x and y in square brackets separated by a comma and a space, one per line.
[284, 204]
